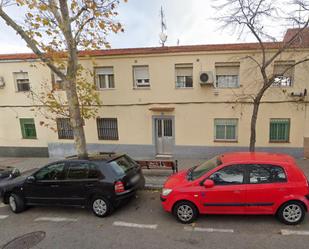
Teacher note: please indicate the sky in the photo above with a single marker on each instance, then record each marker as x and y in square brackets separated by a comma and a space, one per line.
[189, 21]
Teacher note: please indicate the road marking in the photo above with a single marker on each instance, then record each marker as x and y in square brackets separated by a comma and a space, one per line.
[55, 219]
[291, 232]
[2, 205]
[2, 217]
[127, 224]
[209, 230]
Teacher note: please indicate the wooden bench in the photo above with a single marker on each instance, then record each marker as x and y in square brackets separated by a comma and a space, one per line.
[159, 164]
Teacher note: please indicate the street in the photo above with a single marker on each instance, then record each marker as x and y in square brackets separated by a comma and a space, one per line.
[143, 224]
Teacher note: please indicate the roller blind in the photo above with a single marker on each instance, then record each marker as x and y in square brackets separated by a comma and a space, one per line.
[184, 70]
[227, 68]
[141, 72]
[104, 70]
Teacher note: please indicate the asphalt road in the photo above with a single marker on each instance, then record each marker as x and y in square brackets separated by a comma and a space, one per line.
[143, 224]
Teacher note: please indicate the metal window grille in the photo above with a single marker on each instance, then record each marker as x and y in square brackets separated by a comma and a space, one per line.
[226, 129]
[227, 81]
[64, 128]
[279, 130]
[107, 128]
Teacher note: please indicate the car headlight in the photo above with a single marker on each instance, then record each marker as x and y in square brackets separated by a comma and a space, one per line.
[166, 191]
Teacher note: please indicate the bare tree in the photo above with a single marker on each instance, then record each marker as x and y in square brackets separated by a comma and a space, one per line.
[55, 30]
[252, 17]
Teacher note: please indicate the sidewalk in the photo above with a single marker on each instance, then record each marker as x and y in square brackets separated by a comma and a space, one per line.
[154, 178]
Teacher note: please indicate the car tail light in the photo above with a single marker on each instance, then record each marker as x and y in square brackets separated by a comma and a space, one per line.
[119, 187]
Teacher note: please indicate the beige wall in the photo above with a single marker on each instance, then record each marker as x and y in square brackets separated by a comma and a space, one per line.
[194, 121]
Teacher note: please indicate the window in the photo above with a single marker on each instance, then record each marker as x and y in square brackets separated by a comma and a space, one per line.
[64, 128]
[51, 172]
[78, 170]
[284, 73]
[107, 128]
[226, 129]
[227, 75]
[228, 175]
[184, 75]
[28, 128]
[105, 78]
[279, 130]
[204, 168]
[141, 76]
[122, 165]
[22, 81]
[266, 174]
[57, 83]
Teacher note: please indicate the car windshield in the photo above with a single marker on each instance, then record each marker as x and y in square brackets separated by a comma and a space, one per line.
[122, 165]
[205, 167]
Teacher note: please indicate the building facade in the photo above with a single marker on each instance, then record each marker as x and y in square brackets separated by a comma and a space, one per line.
[184, 101]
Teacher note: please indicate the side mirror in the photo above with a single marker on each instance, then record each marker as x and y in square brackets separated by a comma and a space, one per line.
[209, 183]
[30, 179]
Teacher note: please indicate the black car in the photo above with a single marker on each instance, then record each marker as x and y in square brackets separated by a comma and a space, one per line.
[5, 171]
[101, 183]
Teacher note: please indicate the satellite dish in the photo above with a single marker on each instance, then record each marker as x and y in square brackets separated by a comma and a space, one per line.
[163, 37]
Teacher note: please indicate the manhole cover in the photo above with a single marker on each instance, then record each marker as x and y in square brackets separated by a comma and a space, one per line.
[25, 241]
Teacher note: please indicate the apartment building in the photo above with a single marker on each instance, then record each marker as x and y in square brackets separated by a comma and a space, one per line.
[184, 101]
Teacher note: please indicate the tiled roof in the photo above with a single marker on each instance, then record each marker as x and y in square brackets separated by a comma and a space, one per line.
[155, 50]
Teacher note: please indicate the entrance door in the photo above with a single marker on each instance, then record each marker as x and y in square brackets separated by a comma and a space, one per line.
[164, 135]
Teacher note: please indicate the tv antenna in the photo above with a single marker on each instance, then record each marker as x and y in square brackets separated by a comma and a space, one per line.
[163, 35]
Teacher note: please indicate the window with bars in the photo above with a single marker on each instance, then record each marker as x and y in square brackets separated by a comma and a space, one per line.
[107, 128]
[105, 78]
[28, 128]
[64, 128]
[227, 75]
[279, 130]
[22, 81]
[284, 73]
[226, 129]
[184, 75]
[141, 76]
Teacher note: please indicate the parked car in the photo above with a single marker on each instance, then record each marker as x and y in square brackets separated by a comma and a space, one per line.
[239, 183]
[101, 183]
[5, 171]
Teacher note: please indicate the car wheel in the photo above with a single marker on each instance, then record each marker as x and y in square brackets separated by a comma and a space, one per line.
[185, 212]
[100, 206]
[16, 203]
[291, 213]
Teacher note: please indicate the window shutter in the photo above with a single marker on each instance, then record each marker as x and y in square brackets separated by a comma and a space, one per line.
[281, 67]
[227, 68]
[104, 70]
[184, 70]
[141, 72]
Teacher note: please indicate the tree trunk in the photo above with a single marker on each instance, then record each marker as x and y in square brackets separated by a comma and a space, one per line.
[256, 105]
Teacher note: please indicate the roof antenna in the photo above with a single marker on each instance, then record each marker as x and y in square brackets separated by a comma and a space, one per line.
[163, 35]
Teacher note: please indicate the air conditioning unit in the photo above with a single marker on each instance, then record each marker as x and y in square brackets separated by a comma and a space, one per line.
[207, 78]
[2, 83]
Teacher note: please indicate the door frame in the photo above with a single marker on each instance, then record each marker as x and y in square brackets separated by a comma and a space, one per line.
[154, 118]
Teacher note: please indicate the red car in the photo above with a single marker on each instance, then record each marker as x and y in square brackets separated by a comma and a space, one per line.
[239, 183]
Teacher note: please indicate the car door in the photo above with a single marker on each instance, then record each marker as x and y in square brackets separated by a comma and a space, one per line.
[45, 187]
[267, 184]
[228, 193]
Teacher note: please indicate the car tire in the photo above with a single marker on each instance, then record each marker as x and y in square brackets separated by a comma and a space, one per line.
[100, 206]
[16, 203]
[291, 213]
[185, 212]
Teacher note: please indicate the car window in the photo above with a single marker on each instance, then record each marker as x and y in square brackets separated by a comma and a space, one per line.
[122, 165]
[51, 172]
[264, 173]
[205, 167]
[229, 175]
[93, 173]
[78, 170]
